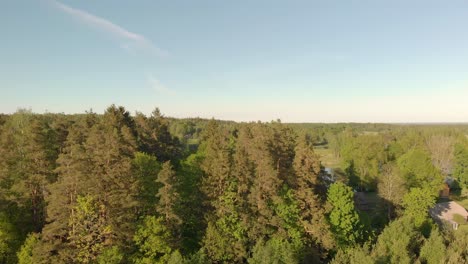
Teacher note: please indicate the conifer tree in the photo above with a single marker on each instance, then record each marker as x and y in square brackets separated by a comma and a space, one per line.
[307, 168]
[111, 146]
[168, 200]
[398, 242]
[27, 169]
[74, 168]
[265, 184]
[145, 168]
[154, 137]
[225, 239]
[191, 203]
[460, 172]
[433, 251]
[217, 162]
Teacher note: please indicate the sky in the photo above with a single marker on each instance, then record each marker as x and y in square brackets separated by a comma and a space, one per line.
[298, 61]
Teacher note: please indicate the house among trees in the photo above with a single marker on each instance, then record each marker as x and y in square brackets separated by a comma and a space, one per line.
[445, 192]
[451, 213]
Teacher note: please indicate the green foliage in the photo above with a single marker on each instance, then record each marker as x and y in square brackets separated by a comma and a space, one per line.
[95, 190]
[398, 242]
[306, 165]
[344, 219]
[417, 204]
[417, 168]
[216, 164]
[220, 246]
[151, 239]
[89, 230]
[8, 239]
[353, 255]
[112, 180]
[168, 202]
[275, 251]
[176, 258]
[457, 250]
[191, 210]
[25, 254]
[154, 138]
[145, 169]
[198, 257]
[391, 187]
[111, 255]
[168, 198]
[288, 211]
[363, 156]
[460, 171]
[27, 160]
[433, 250]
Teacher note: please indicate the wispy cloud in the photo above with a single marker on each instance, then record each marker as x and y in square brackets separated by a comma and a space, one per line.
[157, 86]
[131, 40]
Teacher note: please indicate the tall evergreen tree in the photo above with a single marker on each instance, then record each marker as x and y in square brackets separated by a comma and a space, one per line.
[27, 168]
[217, 161]
[154, 137]
[145, 169]
[398, 242]
[73, 169]
[265, 184]
[307, 168]
[111, 146]
[460, 172]
[191, 203]
[168, 199]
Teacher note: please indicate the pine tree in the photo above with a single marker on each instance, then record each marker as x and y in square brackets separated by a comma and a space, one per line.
[74, 168]
[154, 137]
[307, 168]
[168, 199]
[225, 239]
[145, 168]
[265, 184]
[111, 146]
[460, 171]
[398, 242]
[191, 203]
[433, 251]
[27, 168]
[217, 162]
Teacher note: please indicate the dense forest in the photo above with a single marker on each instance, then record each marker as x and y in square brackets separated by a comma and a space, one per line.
[123, 188]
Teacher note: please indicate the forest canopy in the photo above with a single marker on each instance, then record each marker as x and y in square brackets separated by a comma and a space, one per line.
[122, 188]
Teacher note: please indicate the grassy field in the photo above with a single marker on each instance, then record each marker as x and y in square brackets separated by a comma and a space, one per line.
[369, 133]
[461, 199]
[327, 158]
[463, 228]
[463, 202]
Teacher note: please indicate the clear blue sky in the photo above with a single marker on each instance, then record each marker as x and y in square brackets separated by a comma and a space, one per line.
[300, 61]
